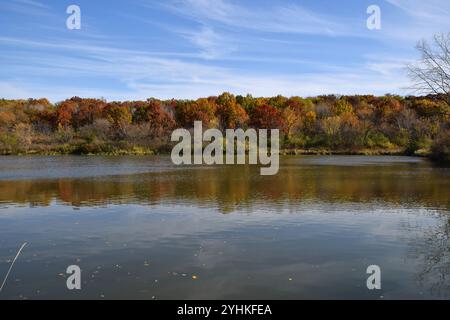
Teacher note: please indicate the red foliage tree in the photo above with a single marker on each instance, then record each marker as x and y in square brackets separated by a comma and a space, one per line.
[156, 115]
[88, 110]
[266, 117]
[64, 113]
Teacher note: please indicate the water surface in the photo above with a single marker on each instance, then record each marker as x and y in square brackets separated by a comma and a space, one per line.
[142, 228]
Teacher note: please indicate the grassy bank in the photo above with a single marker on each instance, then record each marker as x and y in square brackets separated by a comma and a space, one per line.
[114, 150]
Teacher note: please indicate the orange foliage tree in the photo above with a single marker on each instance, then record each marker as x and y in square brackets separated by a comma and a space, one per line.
[229, 113]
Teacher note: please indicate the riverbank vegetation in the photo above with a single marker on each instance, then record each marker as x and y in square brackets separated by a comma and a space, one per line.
[325, 124]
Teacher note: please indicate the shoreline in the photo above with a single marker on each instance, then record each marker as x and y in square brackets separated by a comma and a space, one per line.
[165, 150]
[283, 152]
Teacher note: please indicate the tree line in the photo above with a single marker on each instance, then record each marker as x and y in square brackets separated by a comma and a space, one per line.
[324, 124]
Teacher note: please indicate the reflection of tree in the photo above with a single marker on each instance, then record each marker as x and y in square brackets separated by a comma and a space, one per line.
[230, 188]
[435, 252]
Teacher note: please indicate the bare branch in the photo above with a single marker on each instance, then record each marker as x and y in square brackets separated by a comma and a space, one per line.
[431, 74]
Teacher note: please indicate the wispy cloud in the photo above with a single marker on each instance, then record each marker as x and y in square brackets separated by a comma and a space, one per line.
[290, 18]
[226, 27]
[32, 3]
[421, 19]
[26, 7]
[192, 48]
[211, 44]
[142, 75]
[435, 10]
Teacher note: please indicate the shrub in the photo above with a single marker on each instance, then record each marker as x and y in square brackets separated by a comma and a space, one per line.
[64, 134]
[100, 129]
[379, 140]
[440, 149]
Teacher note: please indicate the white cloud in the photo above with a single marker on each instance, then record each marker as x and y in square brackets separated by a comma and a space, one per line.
[212, 45]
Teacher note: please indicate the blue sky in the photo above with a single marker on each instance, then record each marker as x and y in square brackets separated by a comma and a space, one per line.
[137, 49]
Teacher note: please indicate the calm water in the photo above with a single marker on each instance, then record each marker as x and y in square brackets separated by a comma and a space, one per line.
[142, 228]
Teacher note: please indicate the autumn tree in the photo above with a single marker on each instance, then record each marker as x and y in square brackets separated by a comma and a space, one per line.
[266, 117]
[386, 108]
[431, 108]
[187, 112]
[351, 130]
[309, 122]
[291, 118]
[247, 102]
[342, 106]
[64, 113]
[365, 112]
[229, 113]
[7, 119]
[293, 112]
[330, 126]
[278, 102]
[119, 116]
[153, 113]
[88, 110]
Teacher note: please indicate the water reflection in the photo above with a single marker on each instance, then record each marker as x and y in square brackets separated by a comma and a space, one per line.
[232, 187]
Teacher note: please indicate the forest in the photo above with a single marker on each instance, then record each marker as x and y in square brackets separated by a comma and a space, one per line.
[328, 124]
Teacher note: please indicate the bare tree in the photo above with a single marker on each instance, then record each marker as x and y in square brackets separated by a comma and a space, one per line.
[431, 74]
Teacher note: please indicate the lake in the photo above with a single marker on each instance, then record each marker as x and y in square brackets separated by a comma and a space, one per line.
[142, 228]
